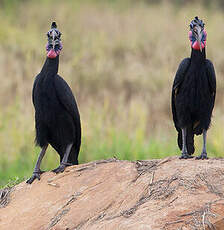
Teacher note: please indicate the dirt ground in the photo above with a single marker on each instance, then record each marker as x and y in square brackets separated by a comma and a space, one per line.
[112, 194]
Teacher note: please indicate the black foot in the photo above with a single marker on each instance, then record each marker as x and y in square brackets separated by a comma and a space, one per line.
[36, 175]
[185, 156]
[203, 156]
[60, 168]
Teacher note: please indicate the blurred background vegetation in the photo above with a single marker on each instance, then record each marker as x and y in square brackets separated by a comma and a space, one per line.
[119, 58]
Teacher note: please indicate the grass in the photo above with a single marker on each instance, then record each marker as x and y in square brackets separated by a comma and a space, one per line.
[119, 57]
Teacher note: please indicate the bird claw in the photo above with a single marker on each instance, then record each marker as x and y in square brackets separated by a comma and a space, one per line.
[185, 156]
[59, 169]
[203, 156]
[36, 175]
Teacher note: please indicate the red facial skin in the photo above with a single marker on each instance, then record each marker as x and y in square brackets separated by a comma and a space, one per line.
[195, 44]
[51, 53]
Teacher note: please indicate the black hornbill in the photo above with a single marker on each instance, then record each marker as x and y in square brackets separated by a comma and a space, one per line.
[193, 93]
[57, 119]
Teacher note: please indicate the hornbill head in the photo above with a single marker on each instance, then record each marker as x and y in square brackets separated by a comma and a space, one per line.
[197, 34]
[54, 45]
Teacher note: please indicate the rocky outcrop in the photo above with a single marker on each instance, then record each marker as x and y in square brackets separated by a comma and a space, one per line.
[112, 194]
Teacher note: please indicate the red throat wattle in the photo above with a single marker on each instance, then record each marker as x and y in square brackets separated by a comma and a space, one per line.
[52, 54]
[195, 44]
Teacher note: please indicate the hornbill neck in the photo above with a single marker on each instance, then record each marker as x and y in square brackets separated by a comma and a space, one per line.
[197, 56]
[50, 66]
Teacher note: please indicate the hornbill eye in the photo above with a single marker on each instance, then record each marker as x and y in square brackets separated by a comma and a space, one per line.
[50, 46]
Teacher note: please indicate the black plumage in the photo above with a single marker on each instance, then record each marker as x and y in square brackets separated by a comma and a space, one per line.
[56, 113]
[57, 119]
[193, 98]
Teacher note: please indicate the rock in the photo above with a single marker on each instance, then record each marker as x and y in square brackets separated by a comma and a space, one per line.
[112, 194]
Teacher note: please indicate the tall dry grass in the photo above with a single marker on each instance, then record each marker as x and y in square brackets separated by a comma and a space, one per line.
[120, 59]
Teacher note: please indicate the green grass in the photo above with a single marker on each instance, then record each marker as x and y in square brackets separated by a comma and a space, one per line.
[119, 57]
[105, 141]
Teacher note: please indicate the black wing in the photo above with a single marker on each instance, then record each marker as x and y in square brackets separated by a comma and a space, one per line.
[34, 86]
[211, 77]
[179, 77]
[65, 96]
[67, 99]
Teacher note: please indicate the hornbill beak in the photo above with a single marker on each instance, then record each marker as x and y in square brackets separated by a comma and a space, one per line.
[54, 35]
[199, 36]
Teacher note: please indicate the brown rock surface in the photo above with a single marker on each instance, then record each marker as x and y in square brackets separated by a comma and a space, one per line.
[164, 194]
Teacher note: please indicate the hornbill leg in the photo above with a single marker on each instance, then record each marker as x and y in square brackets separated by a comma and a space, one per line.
[37, 171]
[64, 162]
[204, 152]
[184, 155]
